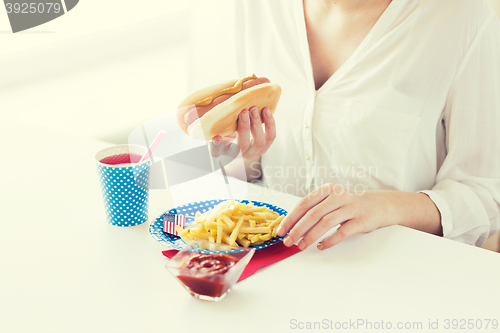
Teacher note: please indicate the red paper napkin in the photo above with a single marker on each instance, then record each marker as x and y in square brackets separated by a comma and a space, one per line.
[261, 258]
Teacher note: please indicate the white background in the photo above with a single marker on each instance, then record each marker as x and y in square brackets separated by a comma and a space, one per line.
[97, 73]
[106, 66]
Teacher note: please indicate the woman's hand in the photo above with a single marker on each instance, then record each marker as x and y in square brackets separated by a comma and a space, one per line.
[250, 136]
[331, 205]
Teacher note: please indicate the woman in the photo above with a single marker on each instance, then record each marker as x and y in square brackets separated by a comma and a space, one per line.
[390, 114]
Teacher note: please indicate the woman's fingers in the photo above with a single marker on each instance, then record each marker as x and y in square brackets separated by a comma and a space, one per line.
[244, 131]
[347, 229]
[324, 209]
[326, 223]
[310, 219]
[270, 127]
[252, 140]
[259, 138]
[301, 208]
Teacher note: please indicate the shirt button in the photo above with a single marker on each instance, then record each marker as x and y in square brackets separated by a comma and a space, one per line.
[307, 126]
[308, 158]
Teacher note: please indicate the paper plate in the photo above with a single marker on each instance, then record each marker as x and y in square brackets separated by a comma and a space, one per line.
[175, 242]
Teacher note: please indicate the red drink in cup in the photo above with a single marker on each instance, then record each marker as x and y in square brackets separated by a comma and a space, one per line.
[125, 184]
[121, 159]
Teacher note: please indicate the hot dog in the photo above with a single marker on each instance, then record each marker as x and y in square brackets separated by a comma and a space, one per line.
[214, 110]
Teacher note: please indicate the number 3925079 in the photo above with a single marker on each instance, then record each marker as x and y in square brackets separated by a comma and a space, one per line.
[471, 324]
[32, 8]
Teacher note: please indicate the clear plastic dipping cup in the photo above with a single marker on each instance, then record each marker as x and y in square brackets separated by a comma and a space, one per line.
[124, 184]
[209, 270]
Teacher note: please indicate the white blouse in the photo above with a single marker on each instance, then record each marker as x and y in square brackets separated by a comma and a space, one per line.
[415, 108]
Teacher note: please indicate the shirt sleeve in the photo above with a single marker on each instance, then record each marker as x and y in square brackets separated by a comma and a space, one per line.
[467, 190]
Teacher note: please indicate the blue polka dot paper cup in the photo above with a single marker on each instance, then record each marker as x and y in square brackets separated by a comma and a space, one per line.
[124, 184]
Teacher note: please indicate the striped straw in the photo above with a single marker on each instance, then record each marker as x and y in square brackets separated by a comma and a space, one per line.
[153, 146]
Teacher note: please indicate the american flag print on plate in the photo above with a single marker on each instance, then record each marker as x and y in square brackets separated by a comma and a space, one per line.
[171, 220]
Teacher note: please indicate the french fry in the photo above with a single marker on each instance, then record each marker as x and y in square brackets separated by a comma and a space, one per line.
[226, 229]
[253, 209]
[187, 239]
[204, 236]
[244, 242]
[277, 221]
[219, 231]
[215, 211]
[182, 232]
[255, 238]
[196, 232]
[265, 237]
[235, 232]
[201, 217]
[225, 238]
[227, 221]
[257, 230]
[234, 223]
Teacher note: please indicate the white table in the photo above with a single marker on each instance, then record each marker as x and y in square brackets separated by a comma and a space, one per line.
[64, 269]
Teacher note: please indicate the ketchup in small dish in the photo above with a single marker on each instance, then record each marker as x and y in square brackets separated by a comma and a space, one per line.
[211, 275]
[207, 269]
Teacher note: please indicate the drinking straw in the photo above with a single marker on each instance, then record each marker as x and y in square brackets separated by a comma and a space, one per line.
[153, 146]
[149, 153]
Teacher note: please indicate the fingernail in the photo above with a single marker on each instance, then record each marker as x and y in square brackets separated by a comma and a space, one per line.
[255, 113]
[244, 116]
[280, 230]
[267, 112]
[320, 246]
[216, 140]
[302, 245]
[288, 241]
[253, 108]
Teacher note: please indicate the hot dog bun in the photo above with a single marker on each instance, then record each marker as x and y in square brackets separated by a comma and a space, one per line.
[222, 119]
